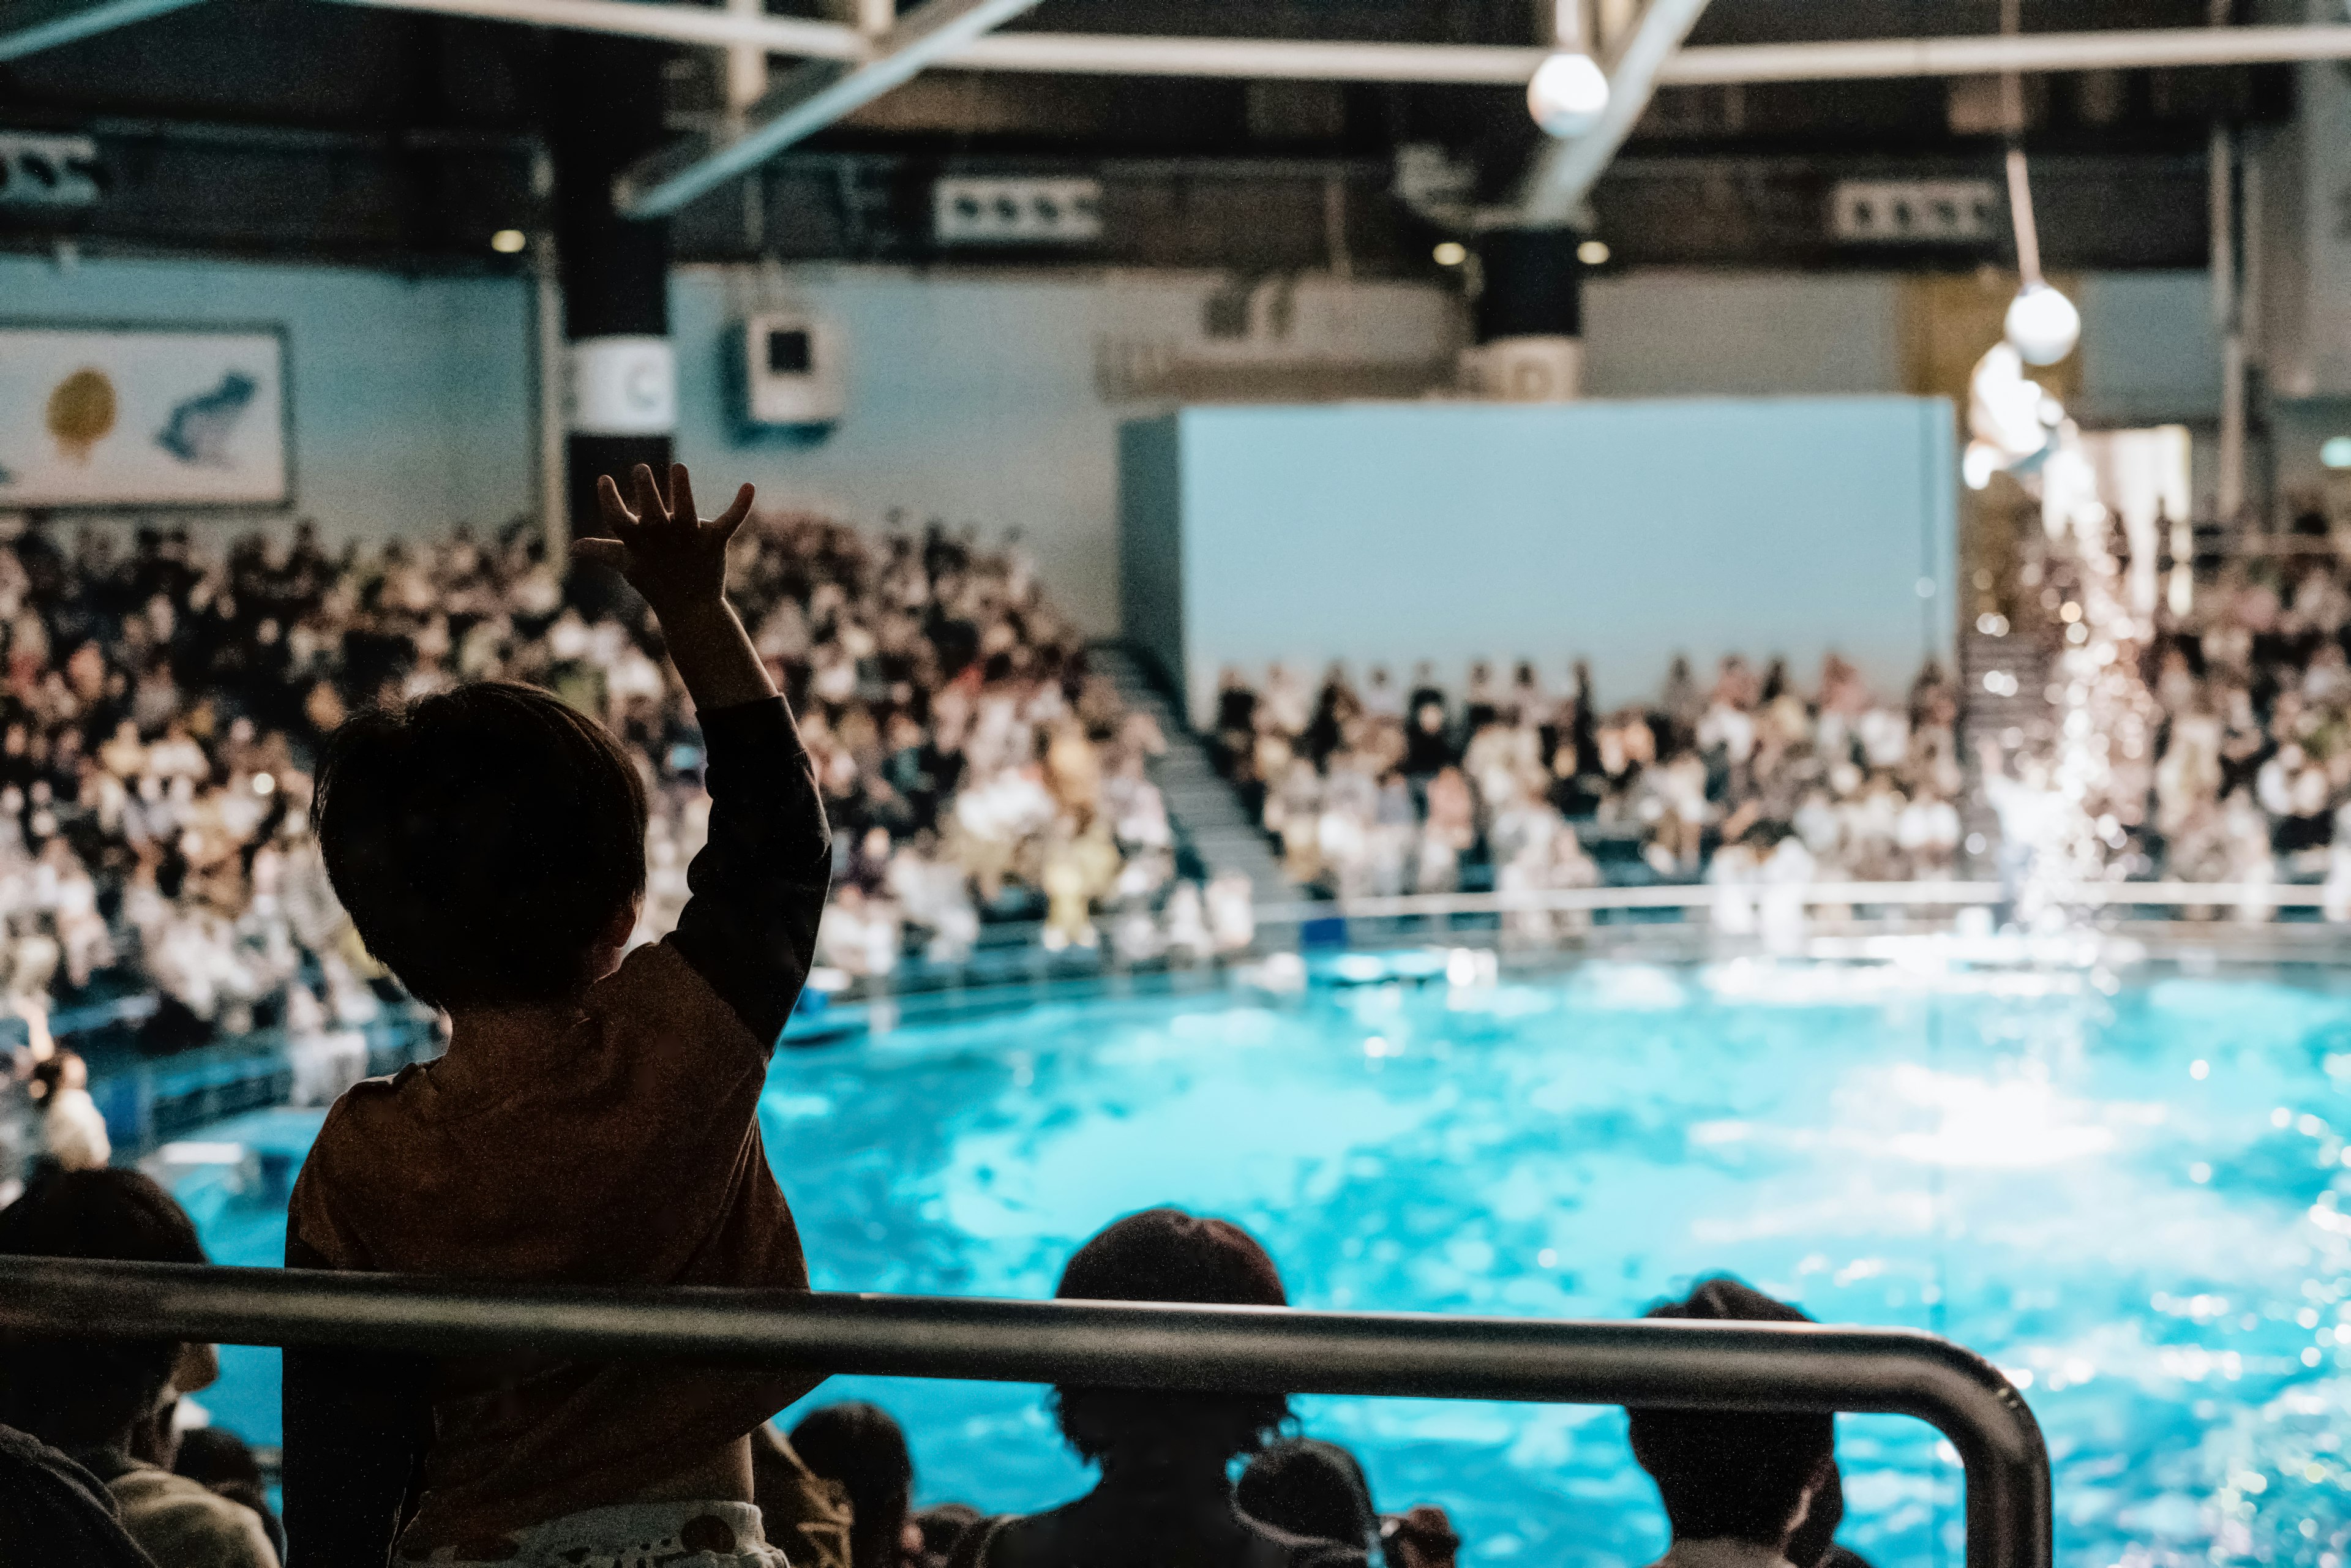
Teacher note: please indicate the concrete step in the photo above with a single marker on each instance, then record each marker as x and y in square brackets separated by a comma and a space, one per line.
[1208, 816]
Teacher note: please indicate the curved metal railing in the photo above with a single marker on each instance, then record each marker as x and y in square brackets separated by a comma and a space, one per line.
[1696, 1365]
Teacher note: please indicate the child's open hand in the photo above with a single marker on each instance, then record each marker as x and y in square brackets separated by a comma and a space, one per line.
[668, 553]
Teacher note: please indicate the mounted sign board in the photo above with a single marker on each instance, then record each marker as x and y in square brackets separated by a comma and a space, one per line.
[38, 171]
[1917, 212]
[138, 416]
[1017, 210]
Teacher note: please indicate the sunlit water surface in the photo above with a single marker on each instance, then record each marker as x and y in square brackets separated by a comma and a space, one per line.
[2128, 1200]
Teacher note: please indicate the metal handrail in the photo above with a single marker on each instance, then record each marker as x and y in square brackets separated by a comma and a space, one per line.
[1693, 1365]
[1703, 897]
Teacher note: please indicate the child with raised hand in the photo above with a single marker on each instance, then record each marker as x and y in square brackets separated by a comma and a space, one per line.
[594, 1120]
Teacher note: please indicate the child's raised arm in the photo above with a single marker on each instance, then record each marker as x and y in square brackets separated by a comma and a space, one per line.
[759, 882]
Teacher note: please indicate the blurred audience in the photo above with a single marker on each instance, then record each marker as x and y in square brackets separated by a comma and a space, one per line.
[161, 706]
[1370, 795]
[2248, 774]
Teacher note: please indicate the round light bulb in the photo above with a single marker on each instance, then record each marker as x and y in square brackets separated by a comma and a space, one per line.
[1567, 95]
[2043, 324]
[506, 242]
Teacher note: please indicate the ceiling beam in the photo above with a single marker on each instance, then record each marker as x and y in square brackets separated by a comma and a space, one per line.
[810, 97]
[670, 24]
[27, 27]
[1566, 171]
[1126, 53]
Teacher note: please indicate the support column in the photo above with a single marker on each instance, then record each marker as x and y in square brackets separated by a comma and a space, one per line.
[1530, 317]
[620, 377]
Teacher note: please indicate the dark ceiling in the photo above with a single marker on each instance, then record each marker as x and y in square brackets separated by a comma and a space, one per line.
[300, 127]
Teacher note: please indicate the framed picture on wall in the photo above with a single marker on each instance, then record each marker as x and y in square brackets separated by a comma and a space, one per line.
[108, 415]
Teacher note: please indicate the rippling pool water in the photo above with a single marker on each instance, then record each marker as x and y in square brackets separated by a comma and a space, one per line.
[2128, 1199]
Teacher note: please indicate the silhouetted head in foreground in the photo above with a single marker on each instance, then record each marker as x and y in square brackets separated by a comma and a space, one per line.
[1310, 1488]
[1740, 1475]
[488, 841]
[861, 1447]
[78, 1395]
[1166, 1255]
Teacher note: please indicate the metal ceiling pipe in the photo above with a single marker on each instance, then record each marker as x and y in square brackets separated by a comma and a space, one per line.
[1114, 54]
[2133, 49]
[671, 24]
[27, 27]
[1565, 172]
[812, 96]
[1103, 54]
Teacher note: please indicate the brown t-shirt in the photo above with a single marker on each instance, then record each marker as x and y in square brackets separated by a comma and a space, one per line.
[621, 1147]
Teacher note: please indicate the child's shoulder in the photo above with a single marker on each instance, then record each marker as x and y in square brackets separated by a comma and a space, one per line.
[656, 988]
[362, 1113]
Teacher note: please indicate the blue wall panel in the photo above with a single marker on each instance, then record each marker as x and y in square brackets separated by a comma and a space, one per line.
[1623, 532]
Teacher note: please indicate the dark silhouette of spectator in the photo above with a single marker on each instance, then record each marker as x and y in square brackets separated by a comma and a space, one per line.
[1310, 1487]
[108, 1406]
[860, 1448]
[805, 1516]
[1166, 1497]
[220, 1459]
[1742, 1488]
[53, 1510]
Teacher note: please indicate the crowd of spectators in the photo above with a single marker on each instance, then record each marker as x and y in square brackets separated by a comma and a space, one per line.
[2248, 780]
[163, 705]
[1382, 788]
[101, 1456]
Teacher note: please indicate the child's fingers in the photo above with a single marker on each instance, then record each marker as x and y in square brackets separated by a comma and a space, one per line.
[617, 516]
[681, 496]
[727, 521]
[601, 552]
[650, 506]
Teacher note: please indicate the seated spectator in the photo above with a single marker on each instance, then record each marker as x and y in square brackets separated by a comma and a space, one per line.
[53, 1510]
[805, 1516]
[1165, 1496]
[1744, 1490]
[73, 1133]
[221, 1460]
[1309, 1487]
[860, 1449]
[109, 1405]
[1315, 1490]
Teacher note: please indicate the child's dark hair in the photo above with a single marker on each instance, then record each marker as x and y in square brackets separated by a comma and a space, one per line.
[1167, 1255]
[1735, 1473]
[481, 839]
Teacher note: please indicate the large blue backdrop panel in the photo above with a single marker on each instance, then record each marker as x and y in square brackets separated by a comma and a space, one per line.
[1623, 532]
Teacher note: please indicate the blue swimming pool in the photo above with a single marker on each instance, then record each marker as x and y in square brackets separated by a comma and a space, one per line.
[2131, 1194]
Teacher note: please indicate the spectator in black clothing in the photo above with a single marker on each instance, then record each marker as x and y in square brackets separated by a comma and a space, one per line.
[1165, 1496]
[859, 1447]
[1744, 1490]
[1314, 1488]
[53, 1510]
[1428, 747]
[1308, 1487]
[109, 1405]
